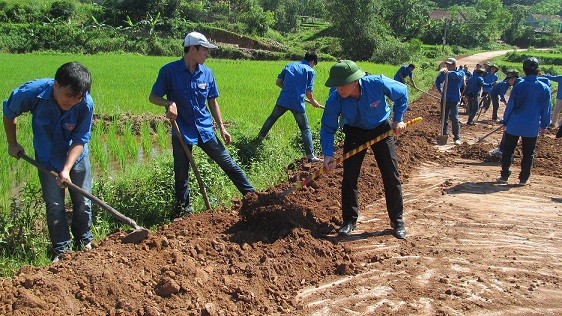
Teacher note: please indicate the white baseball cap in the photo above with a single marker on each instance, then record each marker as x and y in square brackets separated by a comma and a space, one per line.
[196, 38]
[451, 61]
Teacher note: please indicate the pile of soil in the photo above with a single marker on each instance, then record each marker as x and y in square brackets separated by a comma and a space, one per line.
[269, 255]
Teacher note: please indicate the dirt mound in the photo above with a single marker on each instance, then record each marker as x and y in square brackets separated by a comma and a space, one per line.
[272, 255]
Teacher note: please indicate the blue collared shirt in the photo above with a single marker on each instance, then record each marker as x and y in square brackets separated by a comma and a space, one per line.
[190, 92]
[489, 78]
[367, 112]
[475, 84]
[556, 79]
[528, 108]
[454, 84]
[405, 72]
[298, 78]
[54, 131]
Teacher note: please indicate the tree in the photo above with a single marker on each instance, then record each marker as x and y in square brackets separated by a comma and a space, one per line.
[406, 17]
[354, 23]
[287, 15]
[494, 16]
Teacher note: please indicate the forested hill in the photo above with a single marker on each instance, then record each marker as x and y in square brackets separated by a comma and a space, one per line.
[378, 30]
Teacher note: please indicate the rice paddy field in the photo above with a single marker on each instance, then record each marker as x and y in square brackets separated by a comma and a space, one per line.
[134, 131]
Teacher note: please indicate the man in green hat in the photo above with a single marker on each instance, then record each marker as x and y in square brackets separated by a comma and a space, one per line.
[360, 101]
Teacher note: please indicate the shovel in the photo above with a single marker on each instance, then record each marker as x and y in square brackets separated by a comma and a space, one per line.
[429, 94]
[348, 154]
[137, 235]
[442, 139]
[192, 163]
[490, 133]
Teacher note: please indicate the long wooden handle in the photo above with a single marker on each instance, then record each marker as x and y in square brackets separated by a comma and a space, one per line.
[122, 218]
[192, 163]
[444, 103]
[490, 133]
[317, 173]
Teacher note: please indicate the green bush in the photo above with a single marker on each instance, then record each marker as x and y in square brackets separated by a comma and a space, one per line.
[23, 229]
[63, 9]
[390, 50]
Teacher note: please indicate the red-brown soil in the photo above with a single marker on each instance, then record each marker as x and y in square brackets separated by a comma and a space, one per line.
[473, 246]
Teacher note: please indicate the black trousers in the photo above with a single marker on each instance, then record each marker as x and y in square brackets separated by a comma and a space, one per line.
[385, 155]
[528, 145]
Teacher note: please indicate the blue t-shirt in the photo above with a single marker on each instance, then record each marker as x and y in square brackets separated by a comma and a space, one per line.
[367, 112]
[528, 108]
[190, 92]
[405, 72]
[454, 84]
[298, 78]
[54, 130]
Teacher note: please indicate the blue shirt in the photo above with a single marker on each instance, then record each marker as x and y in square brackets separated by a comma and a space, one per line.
[489, 78]
[556, 79]
[454, 84]
[54, 131]
[475, 84]
[190, 92]
[405, 72]
[367, 112]
[298, 78]
[528, 108]
[500, 89]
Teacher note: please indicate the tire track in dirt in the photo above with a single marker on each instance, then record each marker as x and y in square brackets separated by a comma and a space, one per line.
[473, 246]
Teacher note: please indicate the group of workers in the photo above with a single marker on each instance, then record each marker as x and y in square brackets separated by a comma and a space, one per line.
[62, 111]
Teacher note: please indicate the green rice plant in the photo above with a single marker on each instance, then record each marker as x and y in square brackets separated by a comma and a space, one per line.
[98, 149]
[115, 147]
[129, 141]
[163, 135]
[146, 141]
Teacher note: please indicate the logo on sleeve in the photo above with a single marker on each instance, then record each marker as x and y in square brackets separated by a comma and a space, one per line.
[69, 126]
[374, 104]
[202, 86]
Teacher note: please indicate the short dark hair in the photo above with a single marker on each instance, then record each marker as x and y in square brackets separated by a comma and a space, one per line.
[531, 66]
[412, 66]
[186, 48]
[311, 56]
[76, 76]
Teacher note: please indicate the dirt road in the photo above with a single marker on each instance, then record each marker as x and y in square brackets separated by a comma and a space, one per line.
[474, 246]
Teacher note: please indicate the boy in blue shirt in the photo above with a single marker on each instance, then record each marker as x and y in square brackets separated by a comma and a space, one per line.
[473, 88]
[360, 100]
[62, 111]
[490, 78]
[455, 81]
[406, 72]
[191, 99]
[295, 80]
[527, 113]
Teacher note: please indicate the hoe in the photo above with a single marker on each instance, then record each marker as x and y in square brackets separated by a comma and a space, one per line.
[136, 236]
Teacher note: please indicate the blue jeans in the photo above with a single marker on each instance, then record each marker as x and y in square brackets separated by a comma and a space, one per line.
[472, 107]
[452, 112]
[528, 145]
[216, 151]
[302, 122]
[57, 219]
